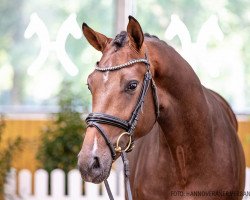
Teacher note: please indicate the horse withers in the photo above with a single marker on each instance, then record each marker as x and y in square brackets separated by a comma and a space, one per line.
[188, 150]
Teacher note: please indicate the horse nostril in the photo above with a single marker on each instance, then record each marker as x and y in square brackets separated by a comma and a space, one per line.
[96, 163]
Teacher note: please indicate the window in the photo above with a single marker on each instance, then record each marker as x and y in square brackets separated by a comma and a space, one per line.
[213, 36]
[42, 46]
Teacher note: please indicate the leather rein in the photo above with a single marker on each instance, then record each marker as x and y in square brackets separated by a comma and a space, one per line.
[95, 119]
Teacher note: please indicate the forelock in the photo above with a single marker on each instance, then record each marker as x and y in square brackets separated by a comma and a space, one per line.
[120, 39]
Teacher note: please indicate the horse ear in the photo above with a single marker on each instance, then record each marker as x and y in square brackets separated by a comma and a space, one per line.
[97, 40]
[135, 33]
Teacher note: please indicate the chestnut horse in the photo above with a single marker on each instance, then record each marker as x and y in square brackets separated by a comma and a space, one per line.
[192, 146]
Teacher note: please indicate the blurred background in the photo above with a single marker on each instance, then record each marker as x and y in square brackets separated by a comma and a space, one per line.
[44, 63]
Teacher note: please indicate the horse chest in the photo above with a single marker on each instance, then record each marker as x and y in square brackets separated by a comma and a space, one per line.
[152, 173]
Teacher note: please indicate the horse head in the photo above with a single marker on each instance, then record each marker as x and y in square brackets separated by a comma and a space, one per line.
[116, 85]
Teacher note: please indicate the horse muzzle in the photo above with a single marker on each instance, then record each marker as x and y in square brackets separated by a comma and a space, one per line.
[93, 168]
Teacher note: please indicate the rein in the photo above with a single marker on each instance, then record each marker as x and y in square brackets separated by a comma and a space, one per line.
[95, 119]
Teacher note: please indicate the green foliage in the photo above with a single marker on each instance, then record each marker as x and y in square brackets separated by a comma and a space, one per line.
[7, 150]
[61, 141]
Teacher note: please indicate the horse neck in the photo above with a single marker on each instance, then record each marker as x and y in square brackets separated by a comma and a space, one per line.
[183, 111]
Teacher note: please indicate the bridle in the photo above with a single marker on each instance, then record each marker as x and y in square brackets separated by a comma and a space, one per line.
[95, 119]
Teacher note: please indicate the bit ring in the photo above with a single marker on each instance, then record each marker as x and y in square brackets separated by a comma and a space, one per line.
[118, 148]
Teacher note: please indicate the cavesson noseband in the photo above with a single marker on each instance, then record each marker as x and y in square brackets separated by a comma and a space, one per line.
[95, 119]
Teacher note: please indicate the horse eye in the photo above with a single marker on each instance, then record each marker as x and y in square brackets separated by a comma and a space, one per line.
[132, 86]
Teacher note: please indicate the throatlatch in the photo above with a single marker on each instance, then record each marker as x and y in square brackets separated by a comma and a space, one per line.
[95, 119]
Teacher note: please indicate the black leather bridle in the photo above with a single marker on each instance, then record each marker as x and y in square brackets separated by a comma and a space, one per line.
[95, 119]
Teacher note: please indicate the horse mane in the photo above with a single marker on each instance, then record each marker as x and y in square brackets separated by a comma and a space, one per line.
[121, 38]
[150, 36]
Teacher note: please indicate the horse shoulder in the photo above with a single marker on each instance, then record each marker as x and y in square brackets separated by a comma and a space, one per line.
[224, 104]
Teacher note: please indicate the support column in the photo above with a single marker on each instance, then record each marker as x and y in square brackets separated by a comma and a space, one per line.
[123, 9]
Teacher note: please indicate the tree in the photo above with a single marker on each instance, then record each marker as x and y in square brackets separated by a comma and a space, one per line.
[61, 141]
[7, 151]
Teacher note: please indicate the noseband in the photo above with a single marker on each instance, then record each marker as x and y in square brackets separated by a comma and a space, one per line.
[95, 119]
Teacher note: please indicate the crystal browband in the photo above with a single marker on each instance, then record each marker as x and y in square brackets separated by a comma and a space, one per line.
[116, 67]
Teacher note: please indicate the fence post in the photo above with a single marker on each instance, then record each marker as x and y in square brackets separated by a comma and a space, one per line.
[74, 184]
[247, 184]
[25, 183]
[112, 185]
[92, 191]
[57, 184]
[10, 185]
[121, 186]
[41, 181]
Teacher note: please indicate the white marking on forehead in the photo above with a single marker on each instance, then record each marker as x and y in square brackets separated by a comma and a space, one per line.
[95, 147]
[105, 76]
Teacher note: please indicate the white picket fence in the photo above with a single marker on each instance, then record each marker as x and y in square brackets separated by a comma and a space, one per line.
[74, 185]
[23, 180]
